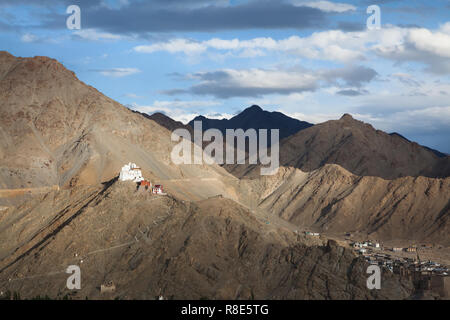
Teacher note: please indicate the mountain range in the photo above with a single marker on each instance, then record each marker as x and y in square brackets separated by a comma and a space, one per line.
[361, 149]
[255, 118]
[352, 144]
[220, 232]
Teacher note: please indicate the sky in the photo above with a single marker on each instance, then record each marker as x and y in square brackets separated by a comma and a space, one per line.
[312, 60]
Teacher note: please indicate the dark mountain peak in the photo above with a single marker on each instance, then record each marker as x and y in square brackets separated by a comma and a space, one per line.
[167, 122]
[159, 115]
[254, 117]
[253, 108]
[198, 118]
[396, 134]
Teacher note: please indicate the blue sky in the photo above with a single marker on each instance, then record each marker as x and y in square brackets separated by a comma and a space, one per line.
[313, 60]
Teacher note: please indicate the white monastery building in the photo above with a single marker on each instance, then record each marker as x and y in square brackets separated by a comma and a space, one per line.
[131, 172]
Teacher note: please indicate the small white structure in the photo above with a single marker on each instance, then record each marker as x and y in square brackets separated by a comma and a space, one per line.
[158, 189]
[131, 172]
[108, 287]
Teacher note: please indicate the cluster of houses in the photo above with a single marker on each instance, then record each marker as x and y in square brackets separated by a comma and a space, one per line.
[371, 251]
[369, 246]
[395, 264]
[312, 234]
[131, 172]
[408, 249]
[366, 246]
[425, 275]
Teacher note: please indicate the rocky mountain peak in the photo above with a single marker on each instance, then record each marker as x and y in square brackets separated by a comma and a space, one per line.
[347, 117]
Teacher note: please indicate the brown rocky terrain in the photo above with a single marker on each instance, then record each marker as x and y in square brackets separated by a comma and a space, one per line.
[214, 236]
[331, 199]
[156, 245]
[355, 194]
[362, 150]
[57, 131]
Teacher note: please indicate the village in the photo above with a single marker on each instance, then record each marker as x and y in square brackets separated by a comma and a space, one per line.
[391, 258]
[426, 275]
[395, 259]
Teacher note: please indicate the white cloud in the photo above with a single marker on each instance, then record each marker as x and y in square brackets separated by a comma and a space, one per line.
[430, 47]
[429, 119]
[312, 118]
[326, 6]
[117, 72]
[255, 82]
[259, 78]
[227, 83]
[325, 46]
[406, 79]
[29, 37]
[188, 47]
[166, 105]
[94, 35]
[183, 111]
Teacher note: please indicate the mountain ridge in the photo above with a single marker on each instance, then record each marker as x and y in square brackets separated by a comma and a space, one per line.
[254, 117]
[361, 149]
[58, 131]
[61, 132]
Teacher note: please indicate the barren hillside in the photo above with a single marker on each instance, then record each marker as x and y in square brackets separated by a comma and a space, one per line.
[57, 131]
[362, 150]
[155, 245]
[333, 199]
[214, 235]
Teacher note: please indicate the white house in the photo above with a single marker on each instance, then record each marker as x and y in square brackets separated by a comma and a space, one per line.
[357, 245]
[131, 172]
[158, 189]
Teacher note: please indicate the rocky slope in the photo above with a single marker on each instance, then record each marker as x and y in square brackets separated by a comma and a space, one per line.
[362, 150]
[334, 200]
[154, 245]
[168, 122]
[61, 139]
[57, 131]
